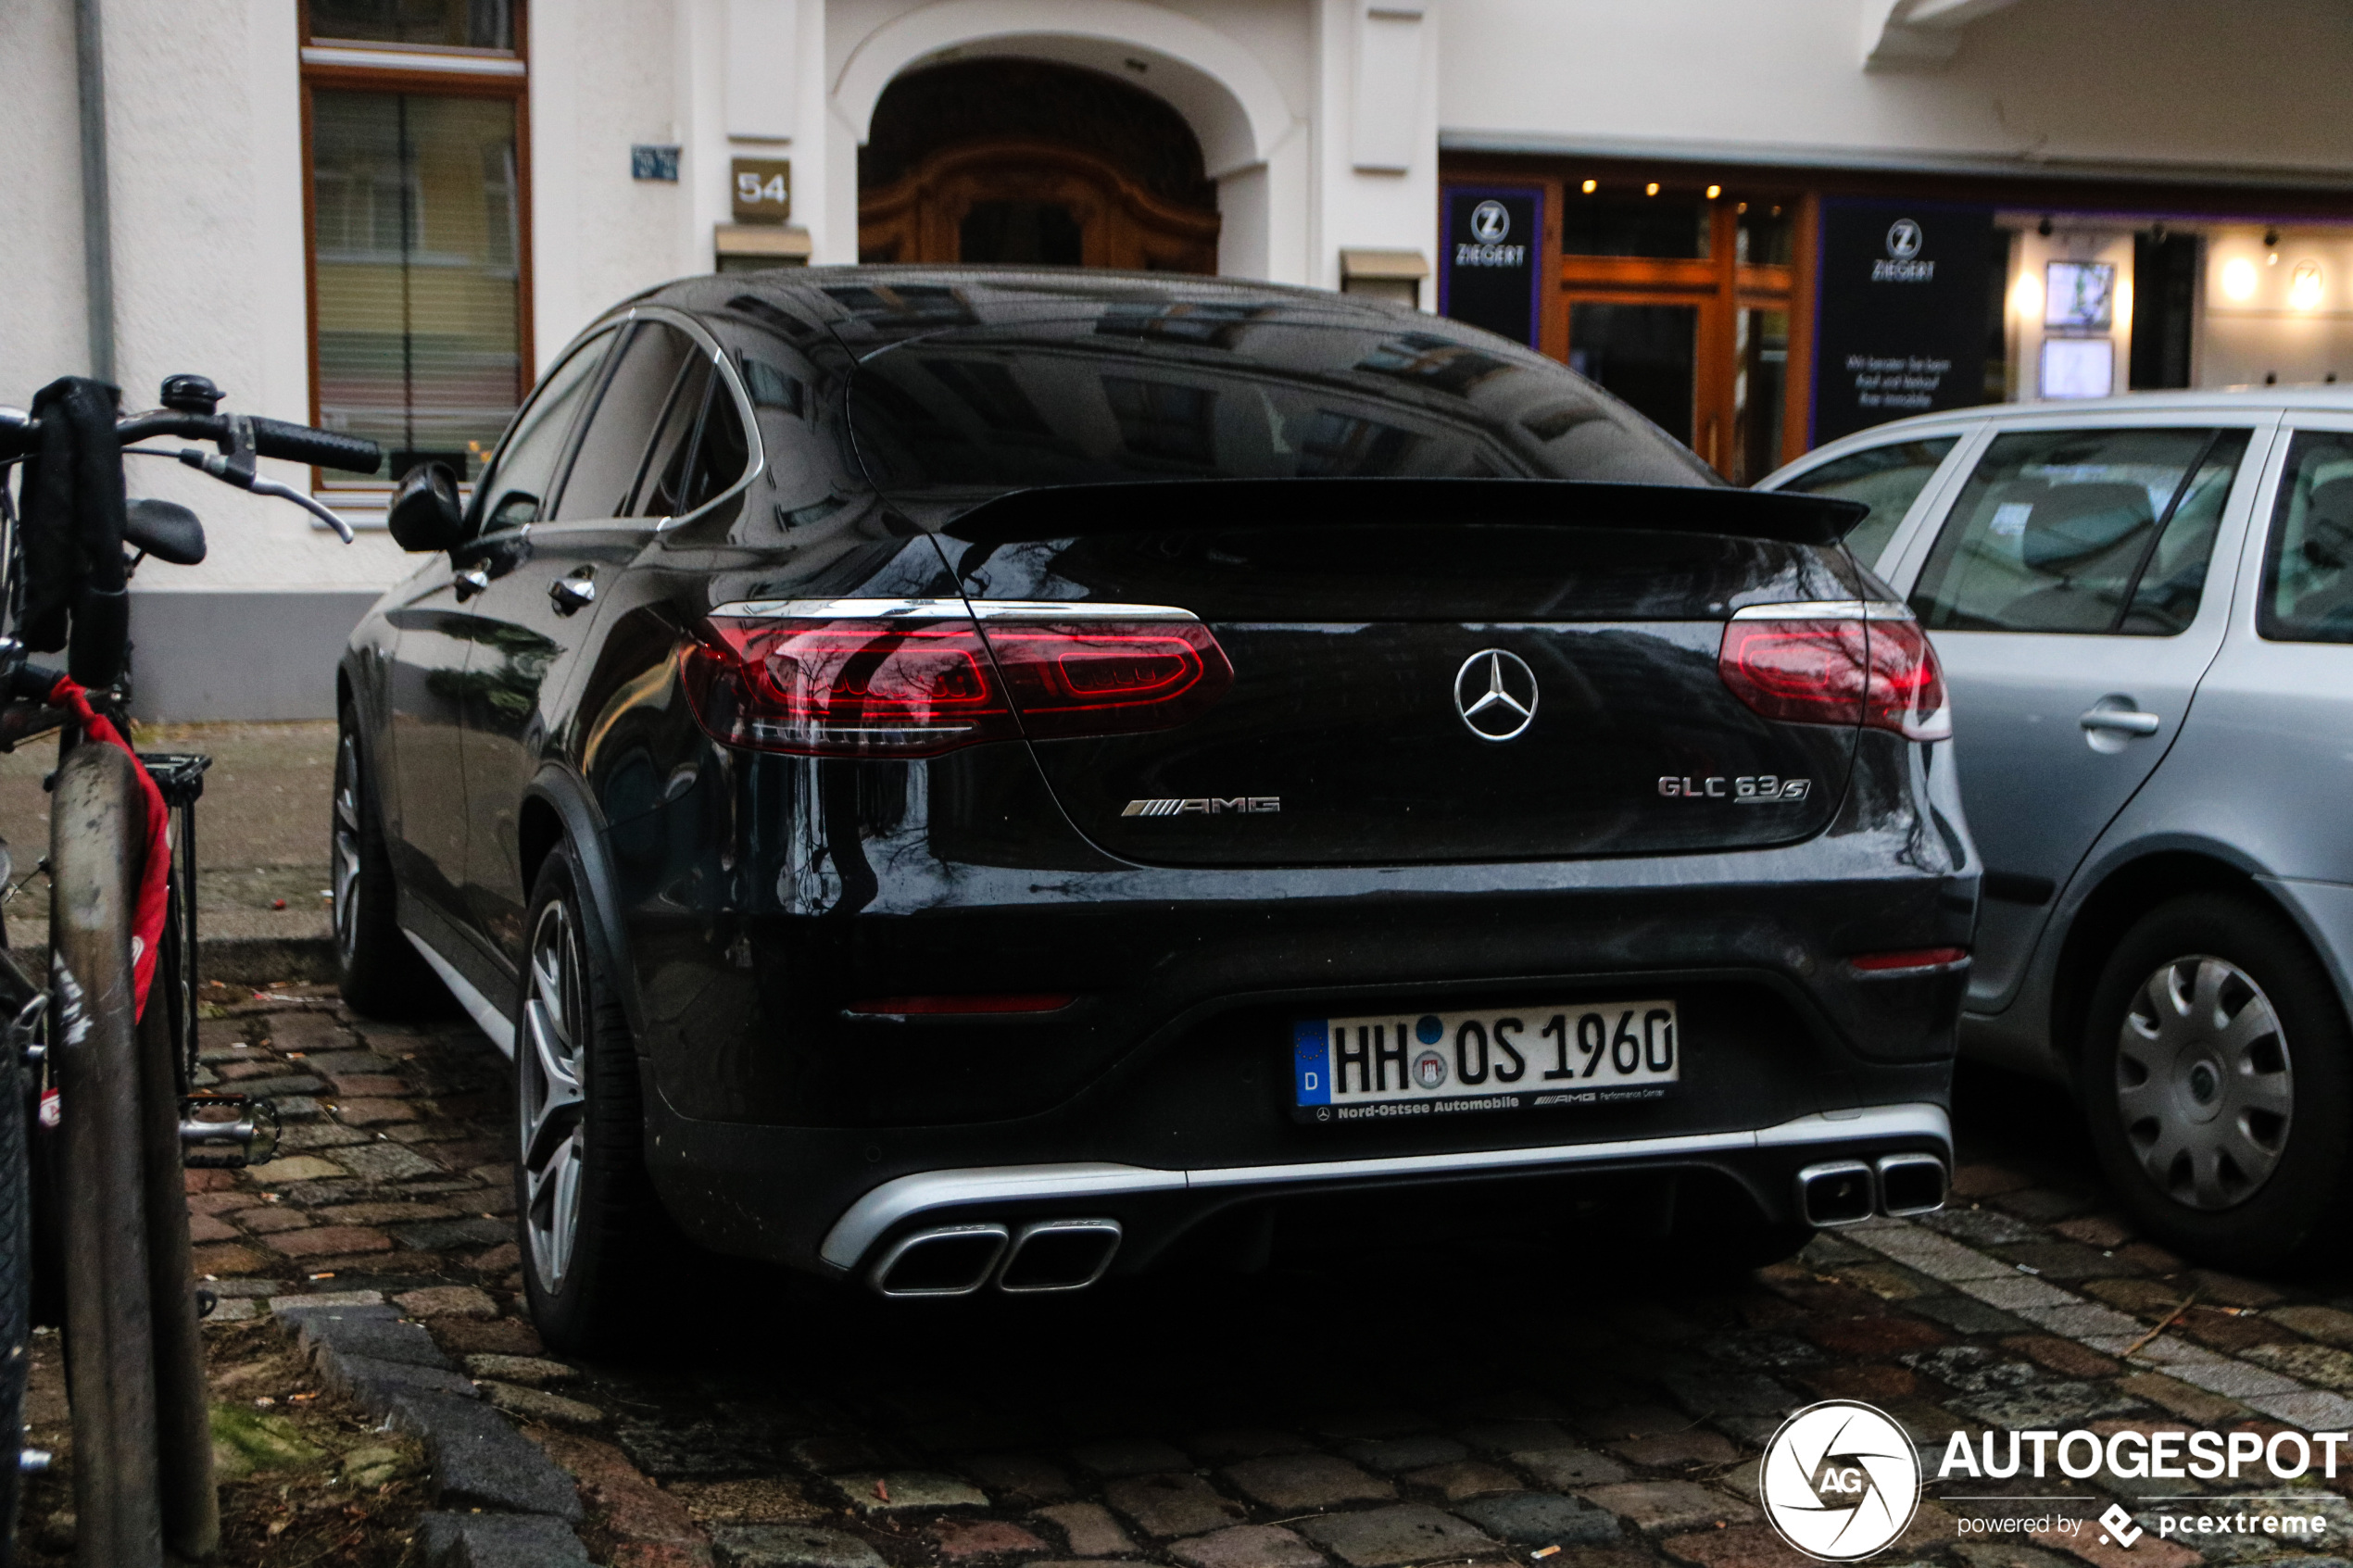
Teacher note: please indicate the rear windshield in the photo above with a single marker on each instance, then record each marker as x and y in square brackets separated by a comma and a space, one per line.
[1203, 392]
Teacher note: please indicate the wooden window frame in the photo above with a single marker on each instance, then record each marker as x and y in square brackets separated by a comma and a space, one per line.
[404, 73]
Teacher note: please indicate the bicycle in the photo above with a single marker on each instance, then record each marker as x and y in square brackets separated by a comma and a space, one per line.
[103, 1048]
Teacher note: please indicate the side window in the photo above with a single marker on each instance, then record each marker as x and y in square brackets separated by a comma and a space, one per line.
[2307, 562]
[613, 448]
[665, 482]
[2082, 531]
[722, 454]
[1886, 479]
[526, 462]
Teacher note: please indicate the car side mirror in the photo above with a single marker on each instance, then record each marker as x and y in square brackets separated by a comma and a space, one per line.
[425, 513]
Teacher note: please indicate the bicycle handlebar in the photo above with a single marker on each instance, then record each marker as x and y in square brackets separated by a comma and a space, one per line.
[21, 433]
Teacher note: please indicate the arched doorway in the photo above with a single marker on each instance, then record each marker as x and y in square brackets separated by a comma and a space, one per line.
[1028, 162]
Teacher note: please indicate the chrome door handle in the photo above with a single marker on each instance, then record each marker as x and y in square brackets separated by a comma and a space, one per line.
[469, 582]
[2123, 720]
[571, 593]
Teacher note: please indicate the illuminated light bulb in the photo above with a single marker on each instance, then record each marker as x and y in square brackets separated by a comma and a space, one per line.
[2304, 287]
[2238, 279]
[2026, 297]
[1651, 189]
[2125, 305]
[1715, 191]
[1592, 185]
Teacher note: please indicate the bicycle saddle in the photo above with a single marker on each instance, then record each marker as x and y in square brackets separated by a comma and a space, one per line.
[166, 530]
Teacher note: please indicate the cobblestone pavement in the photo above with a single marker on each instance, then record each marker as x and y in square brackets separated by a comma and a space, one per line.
[1425, 1406]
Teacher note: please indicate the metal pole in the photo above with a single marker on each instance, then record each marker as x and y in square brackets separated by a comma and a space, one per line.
[109, 1328]
[97, 223]
[191, 1505]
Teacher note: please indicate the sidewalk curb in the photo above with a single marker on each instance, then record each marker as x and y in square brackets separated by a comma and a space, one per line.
[524, 1506]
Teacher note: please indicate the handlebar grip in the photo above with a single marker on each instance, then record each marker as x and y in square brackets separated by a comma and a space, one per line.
[301, 444]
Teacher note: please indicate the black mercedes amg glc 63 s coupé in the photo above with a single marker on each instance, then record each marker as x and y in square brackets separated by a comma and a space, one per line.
[972, 779]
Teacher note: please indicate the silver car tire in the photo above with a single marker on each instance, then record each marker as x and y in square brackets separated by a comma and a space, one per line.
[2215, 1079]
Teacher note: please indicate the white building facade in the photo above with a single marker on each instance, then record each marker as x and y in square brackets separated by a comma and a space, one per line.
[389, 215]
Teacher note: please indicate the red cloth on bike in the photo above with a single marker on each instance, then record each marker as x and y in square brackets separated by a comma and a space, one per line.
[154, 873]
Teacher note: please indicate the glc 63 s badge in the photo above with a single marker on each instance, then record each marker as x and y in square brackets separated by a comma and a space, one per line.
[1749, 789]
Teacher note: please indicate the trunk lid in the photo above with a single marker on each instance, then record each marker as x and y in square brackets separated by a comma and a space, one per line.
[1431, 672]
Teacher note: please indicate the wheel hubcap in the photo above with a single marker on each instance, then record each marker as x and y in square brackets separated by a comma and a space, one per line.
[2203, 1083]
[548, 1059]
[344, 882]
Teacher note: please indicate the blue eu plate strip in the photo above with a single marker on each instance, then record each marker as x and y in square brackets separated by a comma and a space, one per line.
[1311, 1054]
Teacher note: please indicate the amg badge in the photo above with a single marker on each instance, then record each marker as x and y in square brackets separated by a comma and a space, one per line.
[1204, 806]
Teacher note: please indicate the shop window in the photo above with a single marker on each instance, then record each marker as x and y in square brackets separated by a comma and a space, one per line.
[2087, 531]
[1647, 355]
[1664, 227]
[1886, 479]
[445, 24]
[2165, 271]
[1761, 237]
[419, 227]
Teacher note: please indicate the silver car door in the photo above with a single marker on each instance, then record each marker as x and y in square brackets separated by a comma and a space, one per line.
[2273, 727]
[2068, 596]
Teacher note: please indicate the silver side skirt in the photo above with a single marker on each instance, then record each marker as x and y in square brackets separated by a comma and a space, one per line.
[895, 1200]
[488, 1019]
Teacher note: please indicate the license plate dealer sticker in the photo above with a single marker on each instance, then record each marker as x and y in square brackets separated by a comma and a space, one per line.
[1435, 1063]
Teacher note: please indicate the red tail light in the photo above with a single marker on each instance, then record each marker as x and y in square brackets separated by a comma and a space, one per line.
[917, 688]
[1836, 671]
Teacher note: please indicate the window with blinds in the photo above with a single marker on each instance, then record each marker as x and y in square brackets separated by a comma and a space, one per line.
[420, 230]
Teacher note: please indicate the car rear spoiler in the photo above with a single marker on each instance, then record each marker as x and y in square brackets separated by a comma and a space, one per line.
[1075, 510]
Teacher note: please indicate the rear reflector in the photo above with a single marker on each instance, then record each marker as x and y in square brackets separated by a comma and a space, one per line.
[909, 1007]
[1873, 667]
[1915, 958]
[919, 687]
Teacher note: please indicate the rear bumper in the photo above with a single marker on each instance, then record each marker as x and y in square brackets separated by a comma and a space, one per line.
[1024, 1192]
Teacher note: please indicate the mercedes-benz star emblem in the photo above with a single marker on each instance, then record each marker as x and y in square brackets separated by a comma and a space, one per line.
[1904, 239]
[1495, 693]
[1491, 223]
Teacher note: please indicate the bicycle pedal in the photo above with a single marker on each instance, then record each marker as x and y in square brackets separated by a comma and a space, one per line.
[227, 1131]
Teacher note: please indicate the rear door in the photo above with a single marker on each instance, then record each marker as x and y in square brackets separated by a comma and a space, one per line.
[549, 574]
[2072, 594]
[436, 625]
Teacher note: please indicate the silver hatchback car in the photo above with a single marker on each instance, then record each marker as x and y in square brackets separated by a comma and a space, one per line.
[2144, 606]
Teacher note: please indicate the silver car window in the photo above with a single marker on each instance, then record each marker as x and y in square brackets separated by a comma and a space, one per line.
[1886, 479]
[2307, 561]
[2084, 531]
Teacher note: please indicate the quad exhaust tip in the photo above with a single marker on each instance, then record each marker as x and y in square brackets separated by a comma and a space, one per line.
[1847, 1192]
[1044, 1256]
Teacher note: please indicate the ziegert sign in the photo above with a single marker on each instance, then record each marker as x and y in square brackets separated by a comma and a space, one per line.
[1904, 312]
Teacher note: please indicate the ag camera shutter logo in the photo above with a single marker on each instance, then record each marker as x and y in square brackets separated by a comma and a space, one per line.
[1839, 1481]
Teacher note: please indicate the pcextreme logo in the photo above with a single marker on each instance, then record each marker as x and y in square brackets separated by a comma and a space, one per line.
[1840, 1480]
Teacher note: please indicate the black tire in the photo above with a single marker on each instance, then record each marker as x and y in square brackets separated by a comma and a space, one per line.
[591, 1275]
[377, 970]
[2217, 1075]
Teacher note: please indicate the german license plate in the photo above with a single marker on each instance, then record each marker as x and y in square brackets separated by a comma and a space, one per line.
[1505, 1058]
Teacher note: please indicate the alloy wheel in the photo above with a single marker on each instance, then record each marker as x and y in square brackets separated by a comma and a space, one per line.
[551, 1058]
[343, 880]
[2204, 1087]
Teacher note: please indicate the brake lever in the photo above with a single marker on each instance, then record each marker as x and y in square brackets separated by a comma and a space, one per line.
[229, 470]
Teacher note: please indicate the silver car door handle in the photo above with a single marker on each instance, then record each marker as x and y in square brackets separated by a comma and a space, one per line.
[570, 594]
[2127, 721]
[469, 582]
